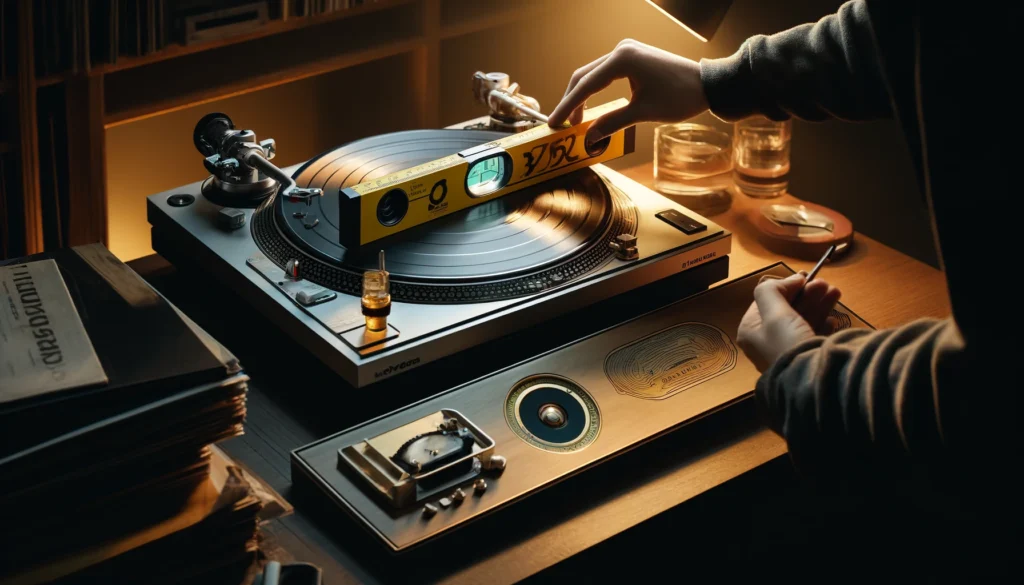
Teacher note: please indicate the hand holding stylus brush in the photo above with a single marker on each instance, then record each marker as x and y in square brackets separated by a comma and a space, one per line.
[785, 313]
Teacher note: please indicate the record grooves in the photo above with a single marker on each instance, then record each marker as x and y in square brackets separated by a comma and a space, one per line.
[513, 246]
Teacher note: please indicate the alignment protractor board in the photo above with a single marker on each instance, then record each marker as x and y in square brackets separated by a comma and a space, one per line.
[418, 473]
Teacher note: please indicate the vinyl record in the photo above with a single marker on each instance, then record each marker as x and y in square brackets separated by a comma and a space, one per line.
[512, 246]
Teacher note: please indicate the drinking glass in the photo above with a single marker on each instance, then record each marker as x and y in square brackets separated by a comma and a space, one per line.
[692, 164]
[761, 156]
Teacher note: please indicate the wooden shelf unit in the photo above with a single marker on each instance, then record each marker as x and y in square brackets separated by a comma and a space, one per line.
[272, 28]
[103, 96]
[56, 79]
[256, 83]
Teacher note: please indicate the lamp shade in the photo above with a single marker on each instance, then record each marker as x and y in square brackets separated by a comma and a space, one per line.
[701, 17]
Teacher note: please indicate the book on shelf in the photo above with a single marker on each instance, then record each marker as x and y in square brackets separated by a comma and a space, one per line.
[3, 44]
[4, 217]
[75, 36]
[54, 178]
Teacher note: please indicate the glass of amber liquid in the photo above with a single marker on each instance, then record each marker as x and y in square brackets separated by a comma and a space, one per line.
[761, 156]
[376, 300]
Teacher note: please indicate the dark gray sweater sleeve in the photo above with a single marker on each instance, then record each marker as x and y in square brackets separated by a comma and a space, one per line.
[816, 71]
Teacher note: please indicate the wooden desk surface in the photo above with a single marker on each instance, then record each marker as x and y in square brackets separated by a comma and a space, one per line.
[883, 286]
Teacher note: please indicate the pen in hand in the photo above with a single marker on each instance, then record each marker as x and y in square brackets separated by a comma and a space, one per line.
[814, 272]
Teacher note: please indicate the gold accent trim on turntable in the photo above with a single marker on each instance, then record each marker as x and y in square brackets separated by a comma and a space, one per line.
[670, 361]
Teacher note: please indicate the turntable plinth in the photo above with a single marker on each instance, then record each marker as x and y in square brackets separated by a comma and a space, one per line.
[457, 282]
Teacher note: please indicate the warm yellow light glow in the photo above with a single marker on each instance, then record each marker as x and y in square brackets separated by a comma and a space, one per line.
[677, 21]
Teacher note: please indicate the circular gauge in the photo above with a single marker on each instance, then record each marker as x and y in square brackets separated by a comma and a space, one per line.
[552, 413]
[487, 175]
[598, 148]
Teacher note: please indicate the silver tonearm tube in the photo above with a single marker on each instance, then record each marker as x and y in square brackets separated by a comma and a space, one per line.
[254, 156]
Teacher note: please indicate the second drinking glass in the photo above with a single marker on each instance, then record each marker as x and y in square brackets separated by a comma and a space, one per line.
[761, 156]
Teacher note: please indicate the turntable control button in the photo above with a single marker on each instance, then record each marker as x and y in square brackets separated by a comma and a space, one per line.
[429, 510]
[553, 416]
[458, 495]
[479, 486]
[311, 297]
[230, 218]
[688, 225]
[445, 502]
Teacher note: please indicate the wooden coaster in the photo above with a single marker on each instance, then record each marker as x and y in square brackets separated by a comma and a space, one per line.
[802, 241]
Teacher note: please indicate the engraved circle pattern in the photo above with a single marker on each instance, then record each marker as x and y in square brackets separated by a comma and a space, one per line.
[515, 245]
[670, 361]
[840, 320]
[518, 410]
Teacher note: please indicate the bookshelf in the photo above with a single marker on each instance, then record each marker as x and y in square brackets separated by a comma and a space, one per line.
[56, 109]
[274, 27]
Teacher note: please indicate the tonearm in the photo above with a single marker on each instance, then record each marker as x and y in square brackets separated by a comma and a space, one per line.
[240, 164]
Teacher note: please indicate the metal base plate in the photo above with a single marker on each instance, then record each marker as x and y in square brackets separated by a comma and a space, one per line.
[644, 378]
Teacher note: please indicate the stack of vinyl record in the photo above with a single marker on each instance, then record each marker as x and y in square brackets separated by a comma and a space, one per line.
[110, 401]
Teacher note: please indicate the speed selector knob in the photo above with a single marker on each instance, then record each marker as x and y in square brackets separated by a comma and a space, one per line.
[553, 416]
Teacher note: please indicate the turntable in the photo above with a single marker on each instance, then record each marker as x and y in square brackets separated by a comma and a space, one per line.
[470, 277]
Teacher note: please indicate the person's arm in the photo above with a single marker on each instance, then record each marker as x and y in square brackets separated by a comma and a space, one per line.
[813, 71]
[816, 71]
[861, 395]
[862, 400]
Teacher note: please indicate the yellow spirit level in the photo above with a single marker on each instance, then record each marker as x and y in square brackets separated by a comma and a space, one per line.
[383, 207]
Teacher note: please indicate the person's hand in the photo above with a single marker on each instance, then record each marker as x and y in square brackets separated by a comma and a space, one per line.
[773, 325]
[666, 88]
